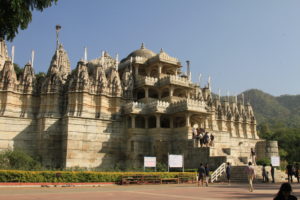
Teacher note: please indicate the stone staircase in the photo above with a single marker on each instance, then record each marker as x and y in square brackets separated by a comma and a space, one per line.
[238, 174]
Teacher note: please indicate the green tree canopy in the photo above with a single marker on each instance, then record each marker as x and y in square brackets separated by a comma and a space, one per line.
[15, 14]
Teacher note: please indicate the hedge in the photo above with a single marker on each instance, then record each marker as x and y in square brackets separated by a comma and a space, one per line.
[76, 177]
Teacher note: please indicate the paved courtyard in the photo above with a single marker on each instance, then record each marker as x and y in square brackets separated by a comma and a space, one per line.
[145, 192]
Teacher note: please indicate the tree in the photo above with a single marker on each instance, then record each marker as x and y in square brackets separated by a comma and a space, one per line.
[15, 14]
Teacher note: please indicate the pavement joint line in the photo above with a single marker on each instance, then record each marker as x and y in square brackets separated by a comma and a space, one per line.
[165, 195]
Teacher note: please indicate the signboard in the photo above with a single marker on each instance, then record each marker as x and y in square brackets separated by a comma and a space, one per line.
[275, 161]
[176, 161]
[149, 161]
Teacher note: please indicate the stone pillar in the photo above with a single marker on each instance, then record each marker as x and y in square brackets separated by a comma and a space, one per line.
[146, 122]
[132, 121]
[171, 122]
[159, 69]
[136, 70]
[159, 94]
[146, 92]
[171, 91]
[187, 94]
[187, 120]
[157, 121]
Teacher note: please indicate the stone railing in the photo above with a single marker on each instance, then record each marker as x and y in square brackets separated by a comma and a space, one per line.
[134, 107]
[140, 60]
[176, 80]
[158, 106]
[165, 57]
[188, 104]
[146, 80]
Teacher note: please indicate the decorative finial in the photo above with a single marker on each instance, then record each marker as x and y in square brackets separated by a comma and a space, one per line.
[12, 54]
[209, 83]
[243, 98]
[143, 45]
[32, 58]
[117, 61]
[57, 28]
[219, 94]
[199, 79]
[161, 50]
[85, 54]
[235, 98]
[228, 95]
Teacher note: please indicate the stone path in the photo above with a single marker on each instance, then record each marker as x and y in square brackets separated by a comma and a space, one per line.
[146, 192]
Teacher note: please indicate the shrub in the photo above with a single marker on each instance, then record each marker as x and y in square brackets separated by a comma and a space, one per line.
[18, 160]
[263, 161]
[76, 177]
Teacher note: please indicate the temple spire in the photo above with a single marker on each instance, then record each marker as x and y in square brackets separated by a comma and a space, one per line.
[117, 61]
[12, 54]
[228, 94]
[57, 28]
[142, 45]
[209, 83]
[199, 79]
[243, 99]
[32, 58]
[85, 55]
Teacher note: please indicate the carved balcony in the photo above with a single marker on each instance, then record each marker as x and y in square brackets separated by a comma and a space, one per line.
[145, 81]
[174, 80]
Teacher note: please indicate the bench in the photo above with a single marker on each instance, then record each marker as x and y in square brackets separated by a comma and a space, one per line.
[131, 179]
[184, 178]
[140, 179]
[169, 180]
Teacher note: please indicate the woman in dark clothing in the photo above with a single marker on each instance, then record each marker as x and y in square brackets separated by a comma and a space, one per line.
[285, 193]
[206, 174]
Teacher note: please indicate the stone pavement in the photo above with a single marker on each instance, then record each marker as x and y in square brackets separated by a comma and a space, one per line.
[146, 192]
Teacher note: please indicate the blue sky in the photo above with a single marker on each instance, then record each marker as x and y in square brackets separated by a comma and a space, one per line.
[240, 44]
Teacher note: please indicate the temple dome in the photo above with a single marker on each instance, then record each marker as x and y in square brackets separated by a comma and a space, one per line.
[142, 52]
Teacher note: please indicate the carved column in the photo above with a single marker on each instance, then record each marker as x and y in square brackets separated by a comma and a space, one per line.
[132, 121]
[146, 92]
[146, 122]
[159, 69]
[157, 121]
[171, 122]
[171, 91]
[187, 120]
[136, 67]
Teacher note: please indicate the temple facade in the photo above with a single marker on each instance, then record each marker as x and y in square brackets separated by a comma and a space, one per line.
[107, 113]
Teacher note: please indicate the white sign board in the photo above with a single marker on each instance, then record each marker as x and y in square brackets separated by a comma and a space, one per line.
[149, 161]
[175, 161]
[275, 161]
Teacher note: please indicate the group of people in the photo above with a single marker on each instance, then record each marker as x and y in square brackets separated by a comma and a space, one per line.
[203, 175]
[204, 138]
[265, 173]
[292, 170]
[283, 193]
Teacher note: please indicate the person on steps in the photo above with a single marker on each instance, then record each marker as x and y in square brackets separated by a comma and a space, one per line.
[228, 172]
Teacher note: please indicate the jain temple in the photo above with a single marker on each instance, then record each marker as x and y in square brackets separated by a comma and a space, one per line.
[105, 113]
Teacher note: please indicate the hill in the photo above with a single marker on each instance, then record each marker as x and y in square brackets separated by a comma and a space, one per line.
[283, 110]
[278, 118]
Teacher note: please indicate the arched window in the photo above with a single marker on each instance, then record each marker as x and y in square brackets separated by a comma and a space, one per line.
[140, 94]
[139, 122]
[153, 93]
[152, 122]
[165, 93]
[165, 121]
